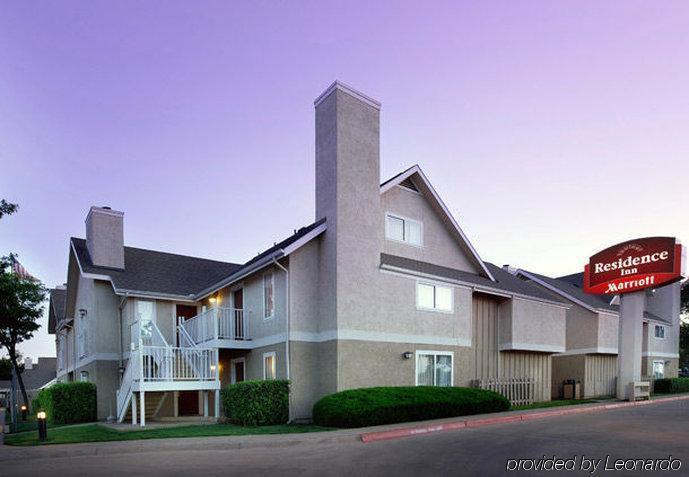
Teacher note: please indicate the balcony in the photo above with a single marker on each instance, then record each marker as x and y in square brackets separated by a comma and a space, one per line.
[218, 327]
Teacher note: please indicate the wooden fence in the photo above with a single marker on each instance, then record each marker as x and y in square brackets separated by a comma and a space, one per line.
[519, 391]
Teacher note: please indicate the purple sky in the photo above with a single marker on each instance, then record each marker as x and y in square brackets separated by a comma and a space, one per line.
[550, 129]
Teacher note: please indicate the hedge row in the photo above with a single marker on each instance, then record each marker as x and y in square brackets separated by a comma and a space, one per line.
[67, 403]
[388, 405]
[257, 403]
[671, 385]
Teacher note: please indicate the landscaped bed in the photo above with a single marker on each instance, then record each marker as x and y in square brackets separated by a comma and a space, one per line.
[101, 433]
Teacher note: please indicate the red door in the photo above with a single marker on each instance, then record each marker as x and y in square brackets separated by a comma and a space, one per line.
[188, 403]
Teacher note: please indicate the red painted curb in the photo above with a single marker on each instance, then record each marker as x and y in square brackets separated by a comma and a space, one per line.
[448, 426]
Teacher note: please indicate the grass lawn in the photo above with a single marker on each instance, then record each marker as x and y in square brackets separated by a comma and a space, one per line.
[101, 433]
[554, 403]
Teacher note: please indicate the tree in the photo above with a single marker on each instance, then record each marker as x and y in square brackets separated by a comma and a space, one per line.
[6, 368]
[7, 208]
[21, 305]
[684, 345]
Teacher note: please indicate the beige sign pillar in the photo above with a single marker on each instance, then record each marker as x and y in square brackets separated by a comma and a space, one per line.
[630, 341]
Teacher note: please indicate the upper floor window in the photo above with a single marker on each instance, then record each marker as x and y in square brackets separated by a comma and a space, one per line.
[404, 230]
[61, 351]
[660, 331]
[433, 297]
[268, 295]
[81, 336]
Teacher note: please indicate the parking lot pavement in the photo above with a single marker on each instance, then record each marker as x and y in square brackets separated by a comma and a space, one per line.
[645, 432]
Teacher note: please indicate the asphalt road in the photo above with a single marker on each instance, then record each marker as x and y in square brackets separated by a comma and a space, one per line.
[646, 432]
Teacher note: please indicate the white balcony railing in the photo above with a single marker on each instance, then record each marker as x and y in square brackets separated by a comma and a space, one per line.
[167, 363]
[218, 323]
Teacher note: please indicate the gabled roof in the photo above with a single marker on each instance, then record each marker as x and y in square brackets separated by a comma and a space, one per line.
[421, 180]
[279, 250]
[56, 309]
[569, 287]
[503, 282]
[155, 273]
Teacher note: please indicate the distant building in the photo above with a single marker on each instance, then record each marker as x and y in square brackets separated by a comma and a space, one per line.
[35, 377]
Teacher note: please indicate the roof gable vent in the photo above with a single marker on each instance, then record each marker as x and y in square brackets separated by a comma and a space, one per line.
[409, 184]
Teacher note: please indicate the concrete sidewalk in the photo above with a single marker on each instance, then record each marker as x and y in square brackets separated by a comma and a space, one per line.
[391, 431]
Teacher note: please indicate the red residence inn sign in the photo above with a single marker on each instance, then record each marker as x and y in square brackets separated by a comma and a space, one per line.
[634, 265]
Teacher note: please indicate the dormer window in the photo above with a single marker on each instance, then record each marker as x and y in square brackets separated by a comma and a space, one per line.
[402, 229]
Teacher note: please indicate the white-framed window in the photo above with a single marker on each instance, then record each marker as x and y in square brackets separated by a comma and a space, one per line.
[268, 295]
[81, 337]
[146, 314]
[658, 369]
[61, 351]
[269, 365]
[434, 297]
[434, 368]
[659, 332]
[402, 229]
[84, 376]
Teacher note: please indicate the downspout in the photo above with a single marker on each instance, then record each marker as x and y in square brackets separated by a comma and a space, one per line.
[287, 335]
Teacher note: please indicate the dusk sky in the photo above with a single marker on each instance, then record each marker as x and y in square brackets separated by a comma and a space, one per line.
[550, 129]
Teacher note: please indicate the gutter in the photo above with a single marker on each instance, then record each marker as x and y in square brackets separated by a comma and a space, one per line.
[123, 302]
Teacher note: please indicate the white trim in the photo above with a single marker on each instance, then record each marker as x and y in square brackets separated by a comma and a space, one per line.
[651, 354]
[598, 350]
[434, 354]
[435, 286]
[403, 272]
[405, 221]
[305, 239]
[339, 85]
[361, 335]
[233, 373]
[531, 347]
[275, 364]
[263, 294]
[417, 170]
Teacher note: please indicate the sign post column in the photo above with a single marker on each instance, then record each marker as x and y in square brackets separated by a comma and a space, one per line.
[630, 341]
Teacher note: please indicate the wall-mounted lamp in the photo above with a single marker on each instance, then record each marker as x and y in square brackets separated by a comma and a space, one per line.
[407, 355]
[82, 312]
[212, 300]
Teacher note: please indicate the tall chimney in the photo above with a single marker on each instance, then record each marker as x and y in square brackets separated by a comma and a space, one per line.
[105, 237]
[348, 196]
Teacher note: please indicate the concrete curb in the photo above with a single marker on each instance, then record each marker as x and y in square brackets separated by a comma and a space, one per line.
[475, 423]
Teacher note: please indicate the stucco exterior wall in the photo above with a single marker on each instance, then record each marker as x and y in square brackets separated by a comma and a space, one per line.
[439, 246]
[532, 326]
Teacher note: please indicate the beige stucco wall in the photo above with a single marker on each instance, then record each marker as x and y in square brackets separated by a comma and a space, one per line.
[528, 325]
[439, 246]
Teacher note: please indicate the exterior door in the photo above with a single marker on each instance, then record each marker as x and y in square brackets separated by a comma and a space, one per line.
[186, 312]
[238, 366]
[238, 300]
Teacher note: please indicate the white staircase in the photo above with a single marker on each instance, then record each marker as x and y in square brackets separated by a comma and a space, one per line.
[156, 367]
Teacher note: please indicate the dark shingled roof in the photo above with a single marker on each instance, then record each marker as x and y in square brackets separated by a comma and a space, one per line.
[42, 372]
[158, 272]
[285, 243]
[573, 286]
[505, 281]
[56, 311]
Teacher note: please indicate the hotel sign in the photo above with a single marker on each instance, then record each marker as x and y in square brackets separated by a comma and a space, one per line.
[634, 265]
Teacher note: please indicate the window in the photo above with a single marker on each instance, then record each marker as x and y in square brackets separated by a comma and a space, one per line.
[660, 331]
[433, 297]
[434, 368]
[84, 376]
[81, 337]
[61, 352]
[404, 230]
[145, 313]
[269, 365]
[268, 295]
[658, 369]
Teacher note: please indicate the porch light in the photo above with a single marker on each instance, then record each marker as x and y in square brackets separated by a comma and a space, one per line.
[42, 427]
[212, 367]
[407, 355]
[212, 300]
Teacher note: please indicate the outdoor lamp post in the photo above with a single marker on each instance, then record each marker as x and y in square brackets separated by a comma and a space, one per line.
[25, 411]
[42, 427]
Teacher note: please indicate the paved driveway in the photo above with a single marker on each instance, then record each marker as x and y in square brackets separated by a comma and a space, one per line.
[646, 432]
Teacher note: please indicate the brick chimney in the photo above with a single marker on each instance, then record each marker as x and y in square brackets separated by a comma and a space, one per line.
[105, 237]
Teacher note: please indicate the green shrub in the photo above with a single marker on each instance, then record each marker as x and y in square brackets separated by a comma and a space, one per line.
[375, 406]
[68, 403]
[257, 403]
[671, 385]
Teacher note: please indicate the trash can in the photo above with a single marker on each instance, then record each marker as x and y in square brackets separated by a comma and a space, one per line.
[571, 389]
